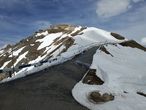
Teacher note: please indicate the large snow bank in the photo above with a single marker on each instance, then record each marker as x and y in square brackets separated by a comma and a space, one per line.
[124, 75]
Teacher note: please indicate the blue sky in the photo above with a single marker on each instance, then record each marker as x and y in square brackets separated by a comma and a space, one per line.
[20, 18]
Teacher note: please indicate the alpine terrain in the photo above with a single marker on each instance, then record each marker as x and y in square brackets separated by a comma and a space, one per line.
[102, 71]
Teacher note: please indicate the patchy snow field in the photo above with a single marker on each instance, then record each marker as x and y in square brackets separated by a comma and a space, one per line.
[83, 40]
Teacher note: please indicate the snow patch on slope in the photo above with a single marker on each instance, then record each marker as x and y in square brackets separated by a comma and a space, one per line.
[48, 39]
[5, 64]
[16, 53]
[99, 35]
[20, 58]
[42, 33]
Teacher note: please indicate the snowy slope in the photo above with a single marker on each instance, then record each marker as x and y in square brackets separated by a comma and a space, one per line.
[124, 74]
[61, 42]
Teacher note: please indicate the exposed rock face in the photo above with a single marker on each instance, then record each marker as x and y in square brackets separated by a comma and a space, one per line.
[98, 98]
[105, 50]
[117, 36]
[2, 76]
[91, 78]
[61, 28]
[141, 93]
[133, 44]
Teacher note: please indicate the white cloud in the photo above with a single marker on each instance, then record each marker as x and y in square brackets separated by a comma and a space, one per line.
[135, 31]
[143, 41]
[132, 25]
[110, 8]
[137, 1]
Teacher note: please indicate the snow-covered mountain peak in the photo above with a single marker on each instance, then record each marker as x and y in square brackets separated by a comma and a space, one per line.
[52, 42]
[115, 76]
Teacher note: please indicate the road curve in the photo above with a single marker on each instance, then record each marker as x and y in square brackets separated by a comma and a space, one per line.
[49, 89]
